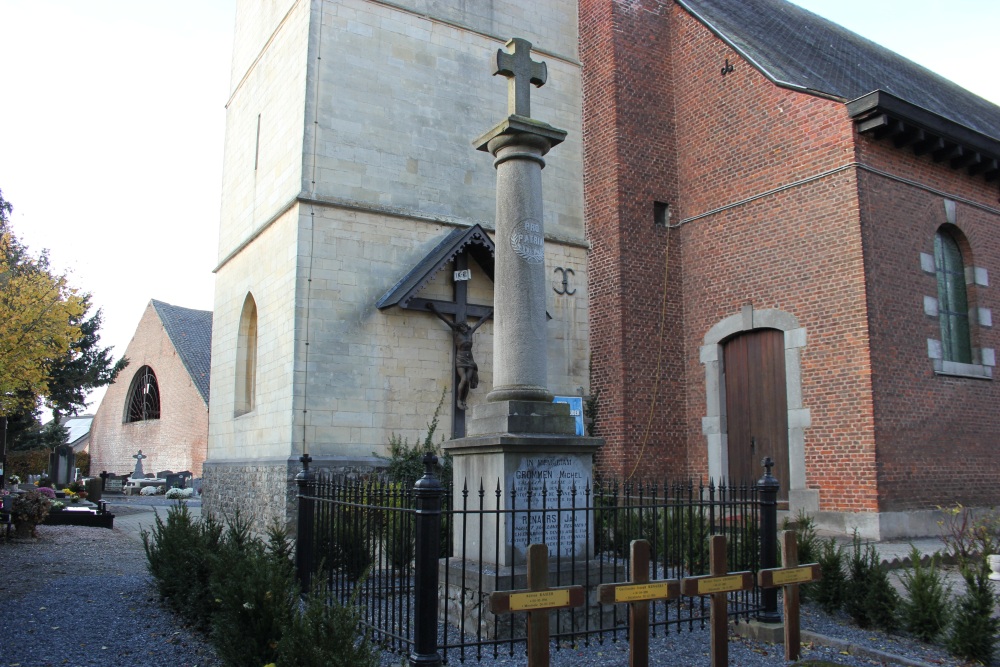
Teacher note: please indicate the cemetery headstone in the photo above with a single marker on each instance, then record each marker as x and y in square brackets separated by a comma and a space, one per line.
[719, 583]
[138, 472]
[62, 466]
[790, 577]
[538, 600]
[638, 593]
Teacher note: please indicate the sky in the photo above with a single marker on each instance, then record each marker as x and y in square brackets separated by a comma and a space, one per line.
[112, 120]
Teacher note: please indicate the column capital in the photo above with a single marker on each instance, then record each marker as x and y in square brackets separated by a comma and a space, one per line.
[515, 126]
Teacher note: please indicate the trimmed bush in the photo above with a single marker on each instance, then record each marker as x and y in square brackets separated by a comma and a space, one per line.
[255, 594]
[325, 634]
[870, 600]
[181, 557]
[974, 629]
[925, 610]
[829, 592]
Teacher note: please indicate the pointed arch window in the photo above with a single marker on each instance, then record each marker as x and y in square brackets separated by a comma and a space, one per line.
[143, 397]
[246, 358]
[953, 299]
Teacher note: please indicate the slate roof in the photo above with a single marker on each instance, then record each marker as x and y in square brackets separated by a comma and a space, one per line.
[191, 333]
[798, 49]
[474, 239]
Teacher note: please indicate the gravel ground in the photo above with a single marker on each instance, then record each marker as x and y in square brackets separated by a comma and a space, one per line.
[82, 597]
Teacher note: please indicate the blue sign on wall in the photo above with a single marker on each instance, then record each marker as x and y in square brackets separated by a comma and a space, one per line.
[575, 409]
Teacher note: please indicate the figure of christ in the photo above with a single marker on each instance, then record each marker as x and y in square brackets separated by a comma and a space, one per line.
[465, 365]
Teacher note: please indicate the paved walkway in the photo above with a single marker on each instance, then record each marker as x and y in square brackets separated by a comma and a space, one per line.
[139, 514]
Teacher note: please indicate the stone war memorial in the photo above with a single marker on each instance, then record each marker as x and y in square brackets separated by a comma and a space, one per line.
[520, 444]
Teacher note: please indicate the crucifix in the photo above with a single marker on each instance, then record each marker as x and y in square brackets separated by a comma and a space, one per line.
[465, 373]
[521, 71]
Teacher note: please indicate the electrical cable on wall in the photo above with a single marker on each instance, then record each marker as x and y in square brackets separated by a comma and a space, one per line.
[659, 359]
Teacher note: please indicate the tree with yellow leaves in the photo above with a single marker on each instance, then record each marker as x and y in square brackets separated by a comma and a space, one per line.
[39, 313]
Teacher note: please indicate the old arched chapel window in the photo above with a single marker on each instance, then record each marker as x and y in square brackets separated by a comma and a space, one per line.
[143, 397]
[246, 358]
[953, 300]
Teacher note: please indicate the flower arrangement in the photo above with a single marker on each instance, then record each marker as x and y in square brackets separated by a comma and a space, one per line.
[30, 509]
[148, 491]
[45, 491]
[57, 505]
[14, 479]
[178, 494]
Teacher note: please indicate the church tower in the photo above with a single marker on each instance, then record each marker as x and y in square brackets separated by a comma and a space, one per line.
[351, 196]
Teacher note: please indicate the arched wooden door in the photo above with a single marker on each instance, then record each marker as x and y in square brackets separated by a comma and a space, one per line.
[756, 405]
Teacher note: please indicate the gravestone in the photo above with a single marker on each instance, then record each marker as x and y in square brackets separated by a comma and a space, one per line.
[62, 466]
[138, 472]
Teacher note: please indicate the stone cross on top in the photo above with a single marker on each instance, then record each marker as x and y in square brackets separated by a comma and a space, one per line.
[520, 71]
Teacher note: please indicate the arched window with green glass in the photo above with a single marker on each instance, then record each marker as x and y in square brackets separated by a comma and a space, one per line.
[953, 299]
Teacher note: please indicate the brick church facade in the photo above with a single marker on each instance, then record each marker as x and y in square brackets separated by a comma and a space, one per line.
[764, 280]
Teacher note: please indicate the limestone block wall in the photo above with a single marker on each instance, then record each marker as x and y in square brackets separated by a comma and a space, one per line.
[399, 96]
[266, 270]
[178, 439]
[262, 490]
[264, 119]
[369, 374]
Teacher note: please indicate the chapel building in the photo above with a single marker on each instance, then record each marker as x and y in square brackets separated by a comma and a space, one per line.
[766, 236]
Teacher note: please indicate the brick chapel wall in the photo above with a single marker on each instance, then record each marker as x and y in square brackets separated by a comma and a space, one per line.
[799, 251]
[936, 434]
[630, 162]
[796, 251]
[178, 439]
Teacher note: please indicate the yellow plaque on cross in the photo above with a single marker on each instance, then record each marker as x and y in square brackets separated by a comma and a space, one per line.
[539, 600]
[733, 582]
[796, 575]
[641, 592]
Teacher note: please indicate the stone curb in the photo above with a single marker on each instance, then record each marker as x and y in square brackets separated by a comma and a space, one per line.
[861, 651]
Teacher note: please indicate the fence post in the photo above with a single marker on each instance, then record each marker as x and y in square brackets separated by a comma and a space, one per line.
[428, 492]
[305, 526]
[768, 488]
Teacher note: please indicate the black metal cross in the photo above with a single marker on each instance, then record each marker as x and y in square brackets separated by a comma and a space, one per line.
[521, 71]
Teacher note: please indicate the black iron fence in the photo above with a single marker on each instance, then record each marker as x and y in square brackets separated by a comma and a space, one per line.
[420, 562]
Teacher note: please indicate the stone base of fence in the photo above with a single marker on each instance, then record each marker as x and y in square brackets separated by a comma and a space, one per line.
[464, 589]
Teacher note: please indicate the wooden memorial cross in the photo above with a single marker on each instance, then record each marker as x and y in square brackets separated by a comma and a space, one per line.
[718, 584]
[521, 71]
[538, 600]
[789, 577]
[638, 593]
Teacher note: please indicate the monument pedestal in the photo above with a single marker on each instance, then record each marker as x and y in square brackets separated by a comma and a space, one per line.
[535, 474]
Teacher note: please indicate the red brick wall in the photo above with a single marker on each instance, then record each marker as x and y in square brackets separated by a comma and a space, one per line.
[663, 123]
[937, 435]
[797, 251]
[178, 439]
[630, 162]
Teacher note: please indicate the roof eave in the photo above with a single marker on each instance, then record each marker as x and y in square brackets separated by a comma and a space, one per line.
[886, 116]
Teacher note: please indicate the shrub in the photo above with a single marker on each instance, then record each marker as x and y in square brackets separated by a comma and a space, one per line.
[178, 494]
[255, 592]
[29, 510]
[324, 634]
[829, 592]
[397, 528]
[925, 610]
[967, 536]
[181, 557]
[870, 600]
[974, 629]
[406, 461]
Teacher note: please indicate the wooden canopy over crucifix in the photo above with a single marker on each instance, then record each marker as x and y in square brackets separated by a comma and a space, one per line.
[458, 247]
